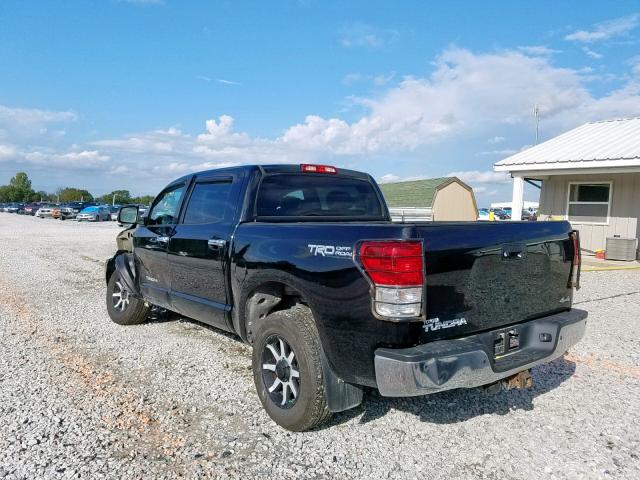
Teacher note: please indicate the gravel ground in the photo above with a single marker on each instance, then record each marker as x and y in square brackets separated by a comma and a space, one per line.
[81, 397]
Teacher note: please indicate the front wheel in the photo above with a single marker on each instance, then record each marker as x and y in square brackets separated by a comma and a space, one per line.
[123, 308]
[287, 369]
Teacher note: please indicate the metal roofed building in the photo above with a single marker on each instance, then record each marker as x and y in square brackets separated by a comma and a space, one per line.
[445, 198]
[590, 176]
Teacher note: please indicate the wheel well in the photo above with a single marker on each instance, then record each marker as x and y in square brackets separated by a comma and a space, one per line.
[267, 298]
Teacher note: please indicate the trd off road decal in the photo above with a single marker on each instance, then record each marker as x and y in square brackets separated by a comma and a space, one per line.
[330, 250]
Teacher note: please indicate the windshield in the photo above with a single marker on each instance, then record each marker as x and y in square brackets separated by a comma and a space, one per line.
[90, 210]
[305, 195]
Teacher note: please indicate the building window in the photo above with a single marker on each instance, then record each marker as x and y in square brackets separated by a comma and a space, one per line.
[589, 203]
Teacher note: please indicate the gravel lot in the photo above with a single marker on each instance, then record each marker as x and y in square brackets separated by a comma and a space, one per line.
[81, 397]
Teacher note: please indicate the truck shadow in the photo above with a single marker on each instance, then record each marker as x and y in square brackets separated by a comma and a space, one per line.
[460, 405]
[448, 407]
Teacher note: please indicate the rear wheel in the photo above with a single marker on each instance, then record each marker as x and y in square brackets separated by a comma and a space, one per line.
[287, 369]
[123, 308]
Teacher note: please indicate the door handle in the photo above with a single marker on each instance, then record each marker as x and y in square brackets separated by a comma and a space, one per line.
[216, 242]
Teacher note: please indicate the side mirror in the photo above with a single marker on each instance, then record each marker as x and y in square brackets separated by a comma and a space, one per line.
[128, 215]
[143, 214]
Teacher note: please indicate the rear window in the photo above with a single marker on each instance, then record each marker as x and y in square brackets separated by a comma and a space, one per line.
[317, 196]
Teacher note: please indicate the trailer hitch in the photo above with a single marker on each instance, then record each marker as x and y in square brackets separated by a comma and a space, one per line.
[519, 380]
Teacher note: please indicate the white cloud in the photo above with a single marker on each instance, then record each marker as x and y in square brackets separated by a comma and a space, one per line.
[504, 152]
[82, 159]
[475, 177]
[381, 80]
[606, 30]
[377, 80]
[537, 50]
[7, 151]
[33, 117]
[360, 34]
[389, 178]
[226, 82]
[351, 78]
[591, 53]
[467, 95]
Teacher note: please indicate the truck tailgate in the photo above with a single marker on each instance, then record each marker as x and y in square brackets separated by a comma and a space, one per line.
[486, 275]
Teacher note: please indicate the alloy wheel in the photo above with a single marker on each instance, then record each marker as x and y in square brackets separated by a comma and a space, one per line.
[280, 372]
[120, 297]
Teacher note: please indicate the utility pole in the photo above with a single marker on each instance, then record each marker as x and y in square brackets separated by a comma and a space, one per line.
[113, 202]
[536, 114]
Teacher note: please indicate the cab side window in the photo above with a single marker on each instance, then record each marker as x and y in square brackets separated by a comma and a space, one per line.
[165, 209]
[209, 203]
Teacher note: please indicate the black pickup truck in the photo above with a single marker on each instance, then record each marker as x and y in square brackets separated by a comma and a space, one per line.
[304, 263]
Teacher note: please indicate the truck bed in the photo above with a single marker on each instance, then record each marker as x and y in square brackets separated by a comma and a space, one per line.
[479, 276]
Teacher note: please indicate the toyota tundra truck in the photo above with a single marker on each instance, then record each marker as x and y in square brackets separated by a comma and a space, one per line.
[304, 263]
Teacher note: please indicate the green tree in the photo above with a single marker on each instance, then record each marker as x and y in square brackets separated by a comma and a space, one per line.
[144, 199]
[121, 196]
[43, 196]
[20, 187]
[5, 194]
[73, 194]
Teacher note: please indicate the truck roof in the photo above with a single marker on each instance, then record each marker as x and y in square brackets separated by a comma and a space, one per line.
[275, 168]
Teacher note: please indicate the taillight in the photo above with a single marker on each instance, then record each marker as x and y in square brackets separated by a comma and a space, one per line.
[574, 281]
[396, 269]
[308, 168]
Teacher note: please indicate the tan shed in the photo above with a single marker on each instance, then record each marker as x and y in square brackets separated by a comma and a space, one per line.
[438, 199]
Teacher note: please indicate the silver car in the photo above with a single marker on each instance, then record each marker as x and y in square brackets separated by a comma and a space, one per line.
[45, 211]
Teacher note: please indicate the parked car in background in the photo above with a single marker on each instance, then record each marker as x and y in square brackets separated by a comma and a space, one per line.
[69, 210]
[500, 214]
[13, 207]
[529, 216]
[114, 209]
[96, 213]
[45, 210]
[56, 213]
[30, 209]
[483, 214]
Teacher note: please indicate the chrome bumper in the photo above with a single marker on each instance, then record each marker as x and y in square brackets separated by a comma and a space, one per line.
[470, 362]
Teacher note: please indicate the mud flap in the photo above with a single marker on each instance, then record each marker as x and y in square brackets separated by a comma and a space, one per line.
[123, 267]
[340, 395]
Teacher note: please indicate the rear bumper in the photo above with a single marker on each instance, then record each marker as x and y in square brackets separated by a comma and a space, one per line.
[469, 362]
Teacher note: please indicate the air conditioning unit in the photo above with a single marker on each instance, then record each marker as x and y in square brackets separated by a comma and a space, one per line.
[619, 248]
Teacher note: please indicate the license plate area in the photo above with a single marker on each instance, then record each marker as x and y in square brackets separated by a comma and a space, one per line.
[505, 342]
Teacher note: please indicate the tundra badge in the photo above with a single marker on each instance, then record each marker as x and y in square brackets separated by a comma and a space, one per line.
[433, 324]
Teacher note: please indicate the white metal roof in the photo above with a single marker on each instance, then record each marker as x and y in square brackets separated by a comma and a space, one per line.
[605, 144]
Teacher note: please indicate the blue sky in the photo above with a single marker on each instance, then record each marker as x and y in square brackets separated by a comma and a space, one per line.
[109, 94]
